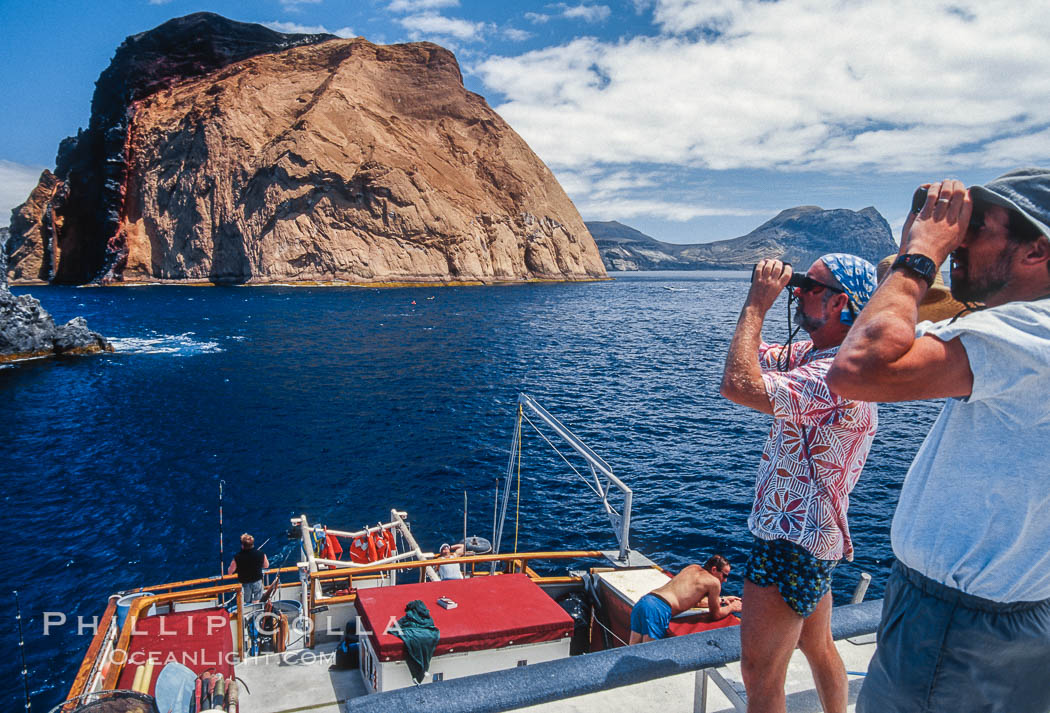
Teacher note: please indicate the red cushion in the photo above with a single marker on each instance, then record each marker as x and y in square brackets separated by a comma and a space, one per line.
[200, 640]
[492, 612]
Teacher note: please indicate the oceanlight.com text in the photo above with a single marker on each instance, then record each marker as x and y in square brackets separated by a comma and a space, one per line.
[205, 659]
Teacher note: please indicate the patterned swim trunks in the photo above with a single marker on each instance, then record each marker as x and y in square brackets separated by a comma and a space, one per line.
[802, 579]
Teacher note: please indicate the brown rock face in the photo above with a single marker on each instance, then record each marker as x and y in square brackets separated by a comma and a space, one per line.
[341, 161]
[32, 250]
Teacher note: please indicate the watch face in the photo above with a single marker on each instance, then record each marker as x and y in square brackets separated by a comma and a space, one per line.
[921, 264]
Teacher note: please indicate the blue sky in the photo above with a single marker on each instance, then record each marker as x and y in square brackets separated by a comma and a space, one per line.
[691, 120]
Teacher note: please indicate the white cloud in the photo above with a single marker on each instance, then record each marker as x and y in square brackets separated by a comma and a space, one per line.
[293, 28]
[602, 193]
[1019, 150]
[432, 24]
[606, 183]
[516, 35]
[17, 181]
[587, 13]
[885, 85]
[293, 5]
[420, 5]
[626, 208]
[159, 2]
[678, 16]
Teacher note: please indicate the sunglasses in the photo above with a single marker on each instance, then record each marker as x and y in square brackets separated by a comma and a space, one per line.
[807, 284]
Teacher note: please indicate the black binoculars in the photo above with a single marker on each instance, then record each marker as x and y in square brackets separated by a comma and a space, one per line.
[918, 199]
[799, 279]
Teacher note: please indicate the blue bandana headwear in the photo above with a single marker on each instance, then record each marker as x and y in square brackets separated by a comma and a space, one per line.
[857, 277]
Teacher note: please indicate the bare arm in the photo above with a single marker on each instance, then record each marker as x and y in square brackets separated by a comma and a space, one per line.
[266, 562]
[233, 568]
[719, 607]
[742, 378]
[880, 359]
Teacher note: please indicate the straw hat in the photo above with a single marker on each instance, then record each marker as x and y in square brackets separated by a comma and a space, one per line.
[938, 304]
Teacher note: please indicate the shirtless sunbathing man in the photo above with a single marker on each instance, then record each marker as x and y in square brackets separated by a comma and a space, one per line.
[687, 589]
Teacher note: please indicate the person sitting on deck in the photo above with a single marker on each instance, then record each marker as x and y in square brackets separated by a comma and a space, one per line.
[450, 571]
[248, 565]
[652, 614]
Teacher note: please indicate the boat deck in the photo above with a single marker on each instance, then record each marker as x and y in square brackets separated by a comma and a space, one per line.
[301, 679]
[675, 693]
[298, 679]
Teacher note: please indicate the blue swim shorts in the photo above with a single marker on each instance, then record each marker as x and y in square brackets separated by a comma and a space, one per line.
[651, 616]
[802, 579]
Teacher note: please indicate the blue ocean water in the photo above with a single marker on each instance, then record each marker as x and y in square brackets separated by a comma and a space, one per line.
[344, 402]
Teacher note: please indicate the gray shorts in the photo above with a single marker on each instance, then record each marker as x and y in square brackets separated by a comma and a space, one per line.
[253, 591]
[940, 650]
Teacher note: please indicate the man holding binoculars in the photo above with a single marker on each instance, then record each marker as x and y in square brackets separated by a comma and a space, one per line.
[966, 616]
[812, 458]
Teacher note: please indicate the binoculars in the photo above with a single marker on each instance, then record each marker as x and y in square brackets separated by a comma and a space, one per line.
[798, 279]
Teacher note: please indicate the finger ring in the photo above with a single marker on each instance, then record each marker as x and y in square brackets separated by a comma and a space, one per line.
[944, 200]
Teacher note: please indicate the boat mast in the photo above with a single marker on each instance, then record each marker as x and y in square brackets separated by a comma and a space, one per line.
[603, 479]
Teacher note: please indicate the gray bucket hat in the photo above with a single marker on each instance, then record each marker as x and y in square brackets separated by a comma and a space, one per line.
[1025, 190]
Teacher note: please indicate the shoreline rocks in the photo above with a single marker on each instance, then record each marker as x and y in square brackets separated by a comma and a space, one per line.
[27, 331]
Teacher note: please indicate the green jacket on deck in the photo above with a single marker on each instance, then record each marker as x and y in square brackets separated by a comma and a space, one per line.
[420, 635]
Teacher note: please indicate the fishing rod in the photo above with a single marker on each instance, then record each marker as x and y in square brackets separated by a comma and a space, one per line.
[22, 649]
[260, 549]
[222, 559]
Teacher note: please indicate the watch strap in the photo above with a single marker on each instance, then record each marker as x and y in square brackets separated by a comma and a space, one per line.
[921, 265]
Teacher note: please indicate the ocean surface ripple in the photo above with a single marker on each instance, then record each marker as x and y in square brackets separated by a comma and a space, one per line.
[342, 403]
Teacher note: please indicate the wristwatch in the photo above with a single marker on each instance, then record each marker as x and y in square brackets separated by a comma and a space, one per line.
[921, 265]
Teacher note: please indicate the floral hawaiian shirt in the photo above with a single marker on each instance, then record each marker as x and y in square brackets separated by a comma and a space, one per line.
[813, 456]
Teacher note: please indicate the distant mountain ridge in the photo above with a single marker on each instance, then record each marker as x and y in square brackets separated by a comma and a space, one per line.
[797, 235]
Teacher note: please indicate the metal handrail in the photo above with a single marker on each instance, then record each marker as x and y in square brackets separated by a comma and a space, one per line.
[205, 580]
[541, 683]
[522, 556]
[87, 665]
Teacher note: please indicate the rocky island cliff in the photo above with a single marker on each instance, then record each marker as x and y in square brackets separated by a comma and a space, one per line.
[797, 235]
[224, 152]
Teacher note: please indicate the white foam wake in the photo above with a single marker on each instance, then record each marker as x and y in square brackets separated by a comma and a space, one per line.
[176, 345]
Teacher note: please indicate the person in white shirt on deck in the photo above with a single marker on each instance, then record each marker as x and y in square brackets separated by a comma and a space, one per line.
[966, 617]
